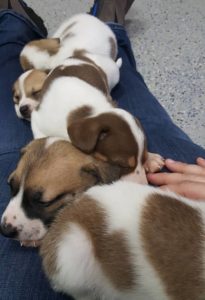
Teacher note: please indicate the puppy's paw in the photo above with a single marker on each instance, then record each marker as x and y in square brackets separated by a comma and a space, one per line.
[154, 163]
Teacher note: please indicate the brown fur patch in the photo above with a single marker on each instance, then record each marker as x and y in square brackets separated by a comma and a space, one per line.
[25, 63]
[16, 92]
[33, 84]
[145, 152]
[113, 49]
[107, 134]
[110, 250]
[51, 45]
[82, 55]
[79, 113]
[85, 72]
[66, 32]
[173, 238]
[60, 169]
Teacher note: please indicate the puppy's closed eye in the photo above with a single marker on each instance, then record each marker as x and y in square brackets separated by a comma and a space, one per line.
[35, 94]
[16, 98]
[37, 196]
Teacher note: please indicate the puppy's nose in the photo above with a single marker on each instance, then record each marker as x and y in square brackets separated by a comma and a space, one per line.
[25, 111]
[8, 230]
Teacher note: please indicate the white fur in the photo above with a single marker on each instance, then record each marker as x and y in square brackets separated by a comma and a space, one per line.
[25, 100]
[28, 229]
[87, 33]
[89, 276]
[64, 95]
[79, 271]
[109, 66]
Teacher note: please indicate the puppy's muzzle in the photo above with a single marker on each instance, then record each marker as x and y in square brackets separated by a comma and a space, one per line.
[8, 230]
[25, 111]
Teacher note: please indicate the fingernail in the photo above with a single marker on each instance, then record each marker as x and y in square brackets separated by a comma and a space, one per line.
[170, 161]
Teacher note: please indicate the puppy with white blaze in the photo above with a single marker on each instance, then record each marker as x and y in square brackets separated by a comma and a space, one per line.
[127, 241]
[27, 88]
[81, 32]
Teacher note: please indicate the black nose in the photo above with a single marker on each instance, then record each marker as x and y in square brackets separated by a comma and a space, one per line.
[25, 111]
[8, 230]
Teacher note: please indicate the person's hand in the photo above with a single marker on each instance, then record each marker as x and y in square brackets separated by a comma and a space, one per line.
[186, 179]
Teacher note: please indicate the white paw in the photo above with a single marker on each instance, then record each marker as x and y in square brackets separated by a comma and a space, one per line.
[154, 163]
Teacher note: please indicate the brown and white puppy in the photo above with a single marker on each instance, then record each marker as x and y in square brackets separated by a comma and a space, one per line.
[76, 105]
[27, 88]
[26, 92]
[81, 32]
[49, 175]
[127, 241]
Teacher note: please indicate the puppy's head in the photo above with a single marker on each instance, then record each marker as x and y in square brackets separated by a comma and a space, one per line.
[49, 175]
[26, 92]
[36, 54]
[114, 136]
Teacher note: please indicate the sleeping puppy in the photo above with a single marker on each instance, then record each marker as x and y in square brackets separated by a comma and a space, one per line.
[76, 105]
[26, 92]
[127, 241]
[81, 32]
[50, 173]
[27, 88]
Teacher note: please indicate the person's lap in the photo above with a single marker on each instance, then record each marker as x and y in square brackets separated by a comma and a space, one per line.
[21, 276]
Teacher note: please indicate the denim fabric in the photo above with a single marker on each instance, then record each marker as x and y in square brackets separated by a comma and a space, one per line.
[21, 275]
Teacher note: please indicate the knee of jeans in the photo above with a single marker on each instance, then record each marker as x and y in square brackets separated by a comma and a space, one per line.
[16, 29]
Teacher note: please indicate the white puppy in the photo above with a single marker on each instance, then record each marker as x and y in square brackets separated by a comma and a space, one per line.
[82, 32]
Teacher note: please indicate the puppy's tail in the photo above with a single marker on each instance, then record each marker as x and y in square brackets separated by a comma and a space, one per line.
[119, 62]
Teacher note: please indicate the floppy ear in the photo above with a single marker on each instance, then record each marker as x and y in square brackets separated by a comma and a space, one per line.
[108, 137]
[10, 177]
[85, 133]
[101, 172]
[23, 150]
[52, 45]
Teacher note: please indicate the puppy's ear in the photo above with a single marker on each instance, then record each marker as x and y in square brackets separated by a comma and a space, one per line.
[10, 177]
[108, 137]
[85, 133]
[101, 172]
[93, 172]
[51, 45]
[23, 150]
[16, 92]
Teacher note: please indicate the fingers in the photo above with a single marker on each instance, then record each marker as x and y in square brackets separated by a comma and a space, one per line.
[180, 167]
[173, 178]
[188, 189]
[201, 162]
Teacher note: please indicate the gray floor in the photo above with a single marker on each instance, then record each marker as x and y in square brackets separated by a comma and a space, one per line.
[168, 38]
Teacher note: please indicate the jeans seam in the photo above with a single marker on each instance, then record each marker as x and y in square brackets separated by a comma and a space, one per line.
[10, 152]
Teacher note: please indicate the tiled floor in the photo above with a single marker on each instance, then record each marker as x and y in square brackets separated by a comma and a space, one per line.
[168, 38]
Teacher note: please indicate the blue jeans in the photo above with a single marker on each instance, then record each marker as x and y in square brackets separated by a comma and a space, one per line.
[21, 275]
